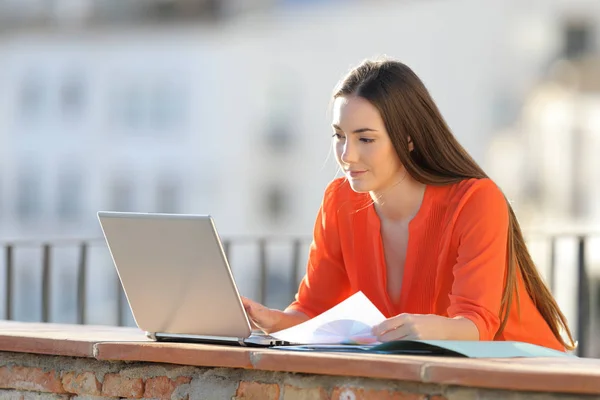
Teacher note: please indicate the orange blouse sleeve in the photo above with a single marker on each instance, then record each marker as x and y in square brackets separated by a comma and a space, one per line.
[480, 269]
[325, 283]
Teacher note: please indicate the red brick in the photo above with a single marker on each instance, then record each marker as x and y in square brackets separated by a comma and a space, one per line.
[353, 393]
[83, 383]
[118, 386]
[162, 387]
[295, 393]
[257, 391]
[34, 379]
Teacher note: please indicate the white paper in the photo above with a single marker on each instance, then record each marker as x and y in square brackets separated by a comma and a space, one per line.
[349, 322]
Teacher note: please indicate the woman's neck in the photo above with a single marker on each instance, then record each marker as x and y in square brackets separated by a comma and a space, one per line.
[401, 201]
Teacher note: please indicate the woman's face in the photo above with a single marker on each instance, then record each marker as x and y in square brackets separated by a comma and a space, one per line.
[363, 148]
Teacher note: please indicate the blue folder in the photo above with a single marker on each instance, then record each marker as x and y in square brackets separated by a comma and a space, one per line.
[448, 348]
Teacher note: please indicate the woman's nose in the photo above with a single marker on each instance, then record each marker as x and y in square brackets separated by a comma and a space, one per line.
[348, 153]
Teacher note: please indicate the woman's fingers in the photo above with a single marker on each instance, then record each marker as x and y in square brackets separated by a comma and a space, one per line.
[390, 324]
[257, 313]
[248, 304]
[394, 334]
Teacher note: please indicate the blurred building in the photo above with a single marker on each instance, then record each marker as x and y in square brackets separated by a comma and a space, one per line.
[547, 161]
[28, 14]
[220, 107]
[553, 172]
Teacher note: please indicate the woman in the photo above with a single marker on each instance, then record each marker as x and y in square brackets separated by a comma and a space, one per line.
[418, 227]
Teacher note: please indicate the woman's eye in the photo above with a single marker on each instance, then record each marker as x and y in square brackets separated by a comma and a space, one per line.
[365, 140]
[337, 136]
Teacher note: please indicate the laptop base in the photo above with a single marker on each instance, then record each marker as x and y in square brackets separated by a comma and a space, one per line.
[254, 340]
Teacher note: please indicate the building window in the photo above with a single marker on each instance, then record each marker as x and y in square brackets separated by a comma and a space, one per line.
[282, 98]
[32, 97]
[72, 96]
[122, 196]
[29, 195]
[155, 106]
[276, 203]
[167, 106]
[69, 196]
[279, 136]
[577, 39]
[131, 108]
[168, 197]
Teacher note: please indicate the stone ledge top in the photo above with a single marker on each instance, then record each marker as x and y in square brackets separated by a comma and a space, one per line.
[556, 375]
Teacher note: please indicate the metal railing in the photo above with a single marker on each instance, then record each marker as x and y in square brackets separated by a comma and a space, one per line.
[584, 309]
[46, 247]
[83, 246]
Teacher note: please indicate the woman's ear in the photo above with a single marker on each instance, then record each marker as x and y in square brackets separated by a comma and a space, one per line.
[411, 145]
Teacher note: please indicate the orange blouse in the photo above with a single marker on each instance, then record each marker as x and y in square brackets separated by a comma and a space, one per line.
[455, 263]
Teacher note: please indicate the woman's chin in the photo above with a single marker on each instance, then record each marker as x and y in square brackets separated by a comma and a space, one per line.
[358, 186]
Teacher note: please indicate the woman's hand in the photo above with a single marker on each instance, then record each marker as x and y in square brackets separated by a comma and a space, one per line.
[425, 327]
[261, 317]
[270, 320]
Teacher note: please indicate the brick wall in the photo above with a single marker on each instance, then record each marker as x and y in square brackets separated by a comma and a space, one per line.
[31, 376]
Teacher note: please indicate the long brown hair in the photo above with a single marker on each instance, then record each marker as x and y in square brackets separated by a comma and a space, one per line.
[437, 158]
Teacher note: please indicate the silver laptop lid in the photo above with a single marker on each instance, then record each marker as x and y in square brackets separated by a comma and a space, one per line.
[175, 274]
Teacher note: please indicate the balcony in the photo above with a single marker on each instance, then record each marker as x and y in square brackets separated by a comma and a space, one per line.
[82, 360]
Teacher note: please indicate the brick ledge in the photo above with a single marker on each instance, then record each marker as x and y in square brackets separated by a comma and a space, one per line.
[555, 375]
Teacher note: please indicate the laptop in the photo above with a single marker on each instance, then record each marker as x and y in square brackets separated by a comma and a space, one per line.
[177, 279]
